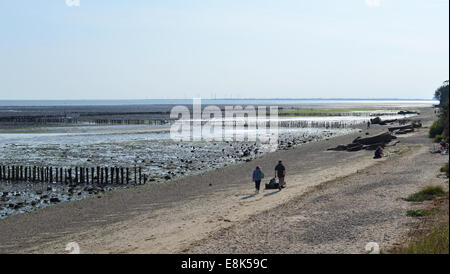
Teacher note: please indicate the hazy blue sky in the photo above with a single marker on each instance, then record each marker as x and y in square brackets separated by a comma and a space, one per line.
[241, 48]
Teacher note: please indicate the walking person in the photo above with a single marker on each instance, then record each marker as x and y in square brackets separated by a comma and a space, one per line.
[280, 172]
[257, 177]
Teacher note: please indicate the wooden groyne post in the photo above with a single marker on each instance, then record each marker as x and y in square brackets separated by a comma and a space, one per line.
[69, 175]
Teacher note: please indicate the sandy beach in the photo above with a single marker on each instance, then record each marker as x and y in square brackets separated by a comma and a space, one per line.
[335, 202]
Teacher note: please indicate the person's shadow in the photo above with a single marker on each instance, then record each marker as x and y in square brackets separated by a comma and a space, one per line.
[271, 193]
[265, 195]
[248, 197]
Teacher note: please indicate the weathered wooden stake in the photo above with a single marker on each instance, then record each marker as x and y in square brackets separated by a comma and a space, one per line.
[70, 175]
[112, 175]
[140, 174]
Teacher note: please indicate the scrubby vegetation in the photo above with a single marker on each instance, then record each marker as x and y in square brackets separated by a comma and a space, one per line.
[434, 239]
[428, 193]
[440, 127]
[436, 129]
[435, 242]
[442, 92]
[420, 212]
[440, 137]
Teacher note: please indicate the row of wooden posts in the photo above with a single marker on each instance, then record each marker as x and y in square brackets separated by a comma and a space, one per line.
[316, 124]
[68, 120]
[127, 122]
[77, 175]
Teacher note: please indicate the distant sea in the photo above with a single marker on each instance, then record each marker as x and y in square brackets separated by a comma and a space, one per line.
[244, 101]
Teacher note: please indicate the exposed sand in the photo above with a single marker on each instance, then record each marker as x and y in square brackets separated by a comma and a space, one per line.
[341, 216]
[190, 215]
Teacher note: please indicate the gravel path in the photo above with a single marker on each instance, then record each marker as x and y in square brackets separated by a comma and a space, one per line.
[340, 216]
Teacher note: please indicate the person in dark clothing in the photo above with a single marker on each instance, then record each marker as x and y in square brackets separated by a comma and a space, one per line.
[257, 177]
[378, 153]
[368, 124]
[280, 172]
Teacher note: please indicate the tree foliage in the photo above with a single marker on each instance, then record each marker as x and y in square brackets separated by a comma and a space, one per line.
[442, 93]
[441, 127]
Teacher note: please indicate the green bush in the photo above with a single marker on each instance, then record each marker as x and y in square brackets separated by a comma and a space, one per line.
[436, 129]
[438, 138]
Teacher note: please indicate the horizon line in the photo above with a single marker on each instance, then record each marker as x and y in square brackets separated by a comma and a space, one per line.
[240, 98]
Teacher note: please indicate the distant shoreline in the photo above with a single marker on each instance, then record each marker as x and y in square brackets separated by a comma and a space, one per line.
[218, 101]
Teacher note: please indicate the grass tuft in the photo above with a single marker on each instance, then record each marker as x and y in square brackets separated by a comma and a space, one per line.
[435, 242]
[426, 194]
[421, 212]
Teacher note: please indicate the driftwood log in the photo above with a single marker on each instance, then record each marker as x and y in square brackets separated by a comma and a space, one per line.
[368, 143]
[404, 131]
[417, 124]
[384, 137]
[403, 112]
[374, 146]
[391, 129]
[375, 120]
[354, 147]
[385, 122]
[406, 128]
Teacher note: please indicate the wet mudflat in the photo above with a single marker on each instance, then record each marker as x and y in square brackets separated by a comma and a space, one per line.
[151, 149]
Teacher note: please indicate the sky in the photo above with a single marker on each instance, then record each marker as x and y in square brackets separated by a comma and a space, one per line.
[137, 49]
